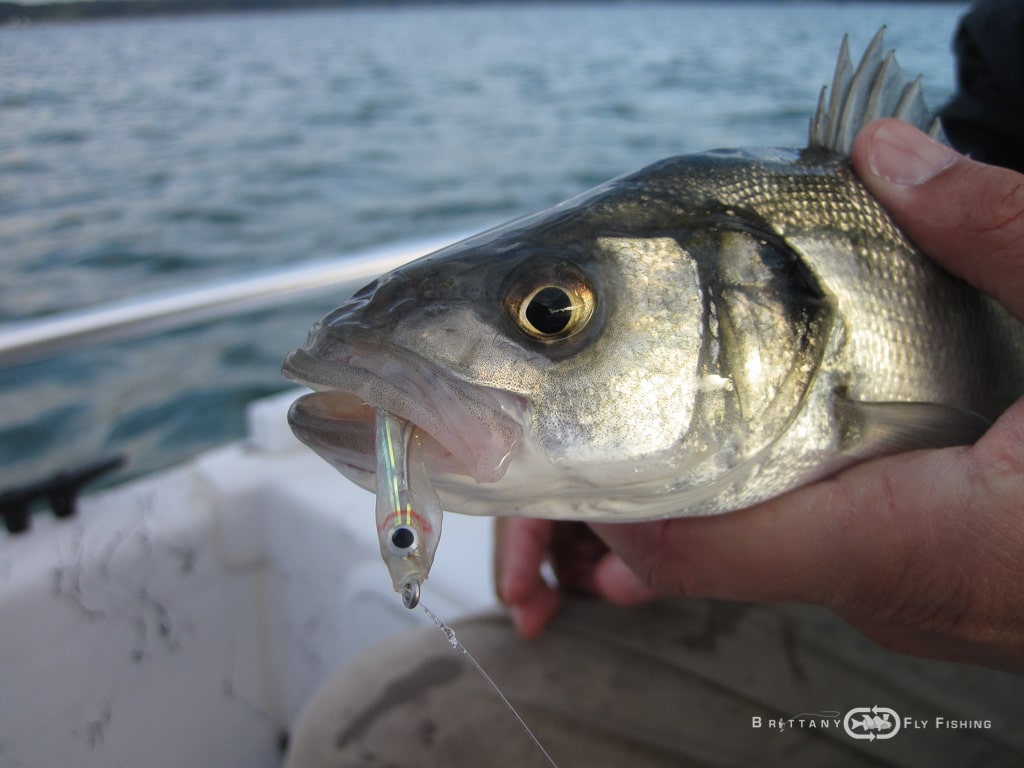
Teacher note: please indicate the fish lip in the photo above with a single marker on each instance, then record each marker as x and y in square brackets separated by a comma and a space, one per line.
[473, 430]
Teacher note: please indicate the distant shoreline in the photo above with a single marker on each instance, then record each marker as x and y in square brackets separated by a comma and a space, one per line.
[17, 13]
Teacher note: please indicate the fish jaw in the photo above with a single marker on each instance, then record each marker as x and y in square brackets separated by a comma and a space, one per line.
[470, 431]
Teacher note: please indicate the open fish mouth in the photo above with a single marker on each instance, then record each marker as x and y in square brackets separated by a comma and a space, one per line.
[468, 430]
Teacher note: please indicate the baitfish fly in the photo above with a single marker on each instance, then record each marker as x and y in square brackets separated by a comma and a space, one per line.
[408, 510]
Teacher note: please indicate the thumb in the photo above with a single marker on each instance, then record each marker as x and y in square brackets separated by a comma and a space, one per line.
[967, 216]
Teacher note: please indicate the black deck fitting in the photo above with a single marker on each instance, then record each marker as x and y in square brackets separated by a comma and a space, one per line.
[60, 491]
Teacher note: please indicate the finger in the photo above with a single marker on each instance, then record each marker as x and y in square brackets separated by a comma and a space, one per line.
[616, 582]
[575, 552]
[531, 617]
[967, 216]
[836, 542]
[521, 546]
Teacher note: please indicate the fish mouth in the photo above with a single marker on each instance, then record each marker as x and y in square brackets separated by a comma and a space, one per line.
[468, 430]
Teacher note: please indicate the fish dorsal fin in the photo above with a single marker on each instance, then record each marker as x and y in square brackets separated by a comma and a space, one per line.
[876, 88]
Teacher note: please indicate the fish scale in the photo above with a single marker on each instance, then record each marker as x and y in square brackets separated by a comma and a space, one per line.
[878, 280]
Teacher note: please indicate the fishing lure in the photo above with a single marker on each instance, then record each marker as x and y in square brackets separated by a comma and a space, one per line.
[408, 509]
[409, 528]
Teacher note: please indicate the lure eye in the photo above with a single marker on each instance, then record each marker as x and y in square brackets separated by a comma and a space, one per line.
[403, 539]
[553, 311]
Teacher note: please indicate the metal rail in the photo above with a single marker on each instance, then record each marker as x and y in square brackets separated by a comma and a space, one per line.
[148, 315]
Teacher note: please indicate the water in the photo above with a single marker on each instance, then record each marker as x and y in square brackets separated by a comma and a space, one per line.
[143, 155]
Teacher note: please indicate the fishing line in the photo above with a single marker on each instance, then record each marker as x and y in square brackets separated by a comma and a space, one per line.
[453, 641]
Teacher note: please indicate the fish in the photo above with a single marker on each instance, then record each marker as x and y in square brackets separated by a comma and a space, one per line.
[693, 338]
[869, 723]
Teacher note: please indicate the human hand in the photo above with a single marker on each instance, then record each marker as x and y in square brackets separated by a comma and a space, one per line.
[920, 551]
[580, 562]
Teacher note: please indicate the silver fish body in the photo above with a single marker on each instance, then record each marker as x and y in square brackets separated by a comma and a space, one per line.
[690, 339]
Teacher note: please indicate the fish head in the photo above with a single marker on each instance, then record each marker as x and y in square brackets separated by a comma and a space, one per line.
[571, 363]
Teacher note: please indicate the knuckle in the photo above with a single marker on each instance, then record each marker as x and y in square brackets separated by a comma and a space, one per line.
[998, 227]
[1006, 205]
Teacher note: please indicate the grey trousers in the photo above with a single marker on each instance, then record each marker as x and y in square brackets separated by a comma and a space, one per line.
[673, 683]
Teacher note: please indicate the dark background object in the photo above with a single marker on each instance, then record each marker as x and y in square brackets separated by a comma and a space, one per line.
[60, 490]
[985, 118]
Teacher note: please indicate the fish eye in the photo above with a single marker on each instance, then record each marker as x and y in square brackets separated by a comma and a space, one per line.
[553, 311]
[403, 538]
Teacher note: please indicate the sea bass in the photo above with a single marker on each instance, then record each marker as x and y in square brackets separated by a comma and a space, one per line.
[701, 335]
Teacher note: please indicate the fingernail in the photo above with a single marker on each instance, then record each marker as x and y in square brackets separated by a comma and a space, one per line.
[905, 156]
[516, 614]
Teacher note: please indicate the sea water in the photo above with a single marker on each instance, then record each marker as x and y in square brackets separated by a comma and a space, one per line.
[147, 155]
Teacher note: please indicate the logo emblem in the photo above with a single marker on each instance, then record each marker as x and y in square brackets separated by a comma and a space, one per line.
[871, 723]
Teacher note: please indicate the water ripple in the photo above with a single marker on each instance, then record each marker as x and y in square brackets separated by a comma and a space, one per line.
[144, 155]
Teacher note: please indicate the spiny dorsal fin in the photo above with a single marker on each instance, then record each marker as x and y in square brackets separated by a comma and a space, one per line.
[876, 88]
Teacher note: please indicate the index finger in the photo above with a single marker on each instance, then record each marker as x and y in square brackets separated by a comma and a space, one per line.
[521, 545]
